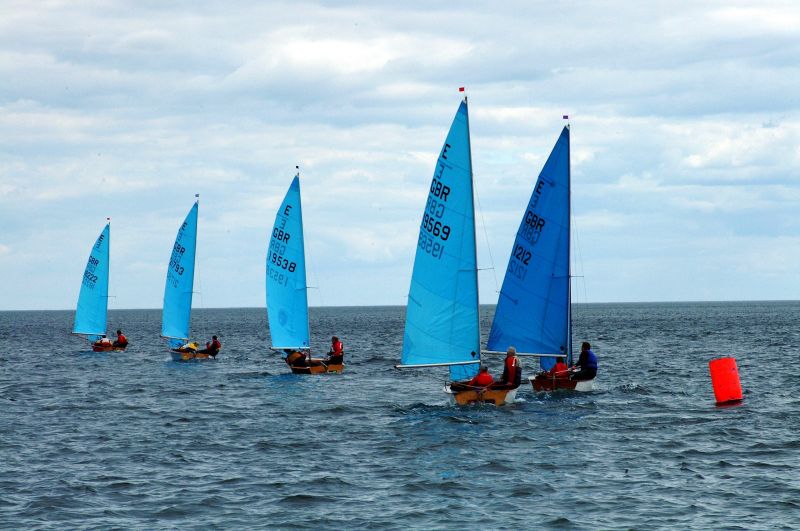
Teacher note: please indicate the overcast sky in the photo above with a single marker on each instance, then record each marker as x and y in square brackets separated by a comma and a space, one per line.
[685, 122]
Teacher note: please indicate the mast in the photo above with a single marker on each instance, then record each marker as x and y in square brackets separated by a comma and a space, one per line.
[303, 254]
[474, 237]
[569, 245]
[108, 275]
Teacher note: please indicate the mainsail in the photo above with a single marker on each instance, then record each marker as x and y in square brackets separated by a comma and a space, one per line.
[533, 310]
[442, 313]
[177, 311]
[287, 297]
[90, 315]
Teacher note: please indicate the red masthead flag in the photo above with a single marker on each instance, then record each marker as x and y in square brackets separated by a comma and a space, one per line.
[461, 89]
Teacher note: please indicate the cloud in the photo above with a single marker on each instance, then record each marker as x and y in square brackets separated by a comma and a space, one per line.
[685, 127]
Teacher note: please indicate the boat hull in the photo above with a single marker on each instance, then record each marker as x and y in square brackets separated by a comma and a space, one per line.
[548, 384]
[318, 367]
[107, 348]
[178, 355]
[497, 397]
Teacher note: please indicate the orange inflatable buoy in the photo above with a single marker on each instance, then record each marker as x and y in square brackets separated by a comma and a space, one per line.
[725, 380]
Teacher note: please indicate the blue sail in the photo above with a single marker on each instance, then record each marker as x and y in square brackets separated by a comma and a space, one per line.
[287, 297]
[177, 311]
[533, 308]
[90, 315]
[442, 311]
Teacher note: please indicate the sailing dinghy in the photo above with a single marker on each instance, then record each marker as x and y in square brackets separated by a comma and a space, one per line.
[287, 289]
[92, 309]
[176, 314]
[442, 326]
[534, 311]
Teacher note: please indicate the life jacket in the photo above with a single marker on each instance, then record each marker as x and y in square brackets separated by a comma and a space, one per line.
[214, 345]
[512, 372]
[591, 360]
[337, 349]
[122, 340]
[559, 370]
[482, 379]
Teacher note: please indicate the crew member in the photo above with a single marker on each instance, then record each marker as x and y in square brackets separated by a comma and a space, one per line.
[587, 364]
[212, 347]
[295, 358]
[482, 379]
[512, 372]
[121, 341]
[336, 353]
[559, 370]
[103, 342]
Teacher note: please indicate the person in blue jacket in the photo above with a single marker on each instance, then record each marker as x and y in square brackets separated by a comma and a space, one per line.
[587, 364]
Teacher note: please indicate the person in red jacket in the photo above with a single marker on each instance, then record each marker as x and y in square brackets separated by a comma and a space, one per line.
[212, 347]
[482, 379]
[336, 353]
[512, 372]
[560, 369]
[121, 341]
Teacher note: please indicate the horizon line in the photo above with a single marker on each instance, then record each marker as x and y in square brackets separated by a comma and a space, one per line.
[696, 301]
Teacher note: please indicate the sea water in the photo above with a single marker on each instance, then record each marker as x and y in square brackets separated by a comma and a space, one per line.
[132, 440]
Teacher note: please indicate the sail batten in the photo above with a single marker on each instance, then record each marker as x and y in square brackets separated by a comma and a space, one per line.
[286, 285]
[533, 309]
[442, 314]
[92, 308]
[179, 288]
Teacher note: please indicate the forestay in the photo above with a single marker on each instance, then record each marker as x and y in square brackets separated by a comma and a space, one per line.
[90, 315]
[177, 311]
[533, 308]
[287, 297]
[442, 311]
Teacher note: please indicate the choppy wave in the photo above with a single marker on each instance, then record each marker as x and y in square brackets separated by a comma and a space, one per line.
[129, 440]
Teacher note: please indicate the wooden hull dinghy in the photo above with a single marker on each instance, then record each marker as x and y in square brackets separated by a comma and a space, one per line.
[177, 310]
[107, 348]
[191, 354]
[91, 311]
[299, 363]
[544, 383]
[287, 289]
[534, 310]
[442, 319]
[465, 395]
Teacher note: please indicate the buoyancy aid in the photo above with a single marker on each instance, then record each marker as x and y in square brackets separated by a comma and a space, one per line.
[559, 370]
[482, 379]
[512, 374]
[337, 349]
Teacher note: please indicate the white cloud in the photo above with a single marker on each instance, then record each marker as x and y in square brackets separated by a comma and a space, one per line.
[685, 131]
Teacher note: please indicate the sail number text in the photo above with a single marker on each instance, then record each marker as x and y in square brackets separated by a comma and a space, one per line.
[282, 262]
[89, 278]
[532, 227]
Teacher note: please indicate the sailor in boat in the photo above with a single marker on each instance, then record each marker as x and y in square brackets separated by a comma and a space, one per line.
[482, 379]
[559, 370]
[295, 358]
[336, 353]
[121, 341]
[512, 372]
[586, 368]
[212, 347]
[103, 342]
[188, 348]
